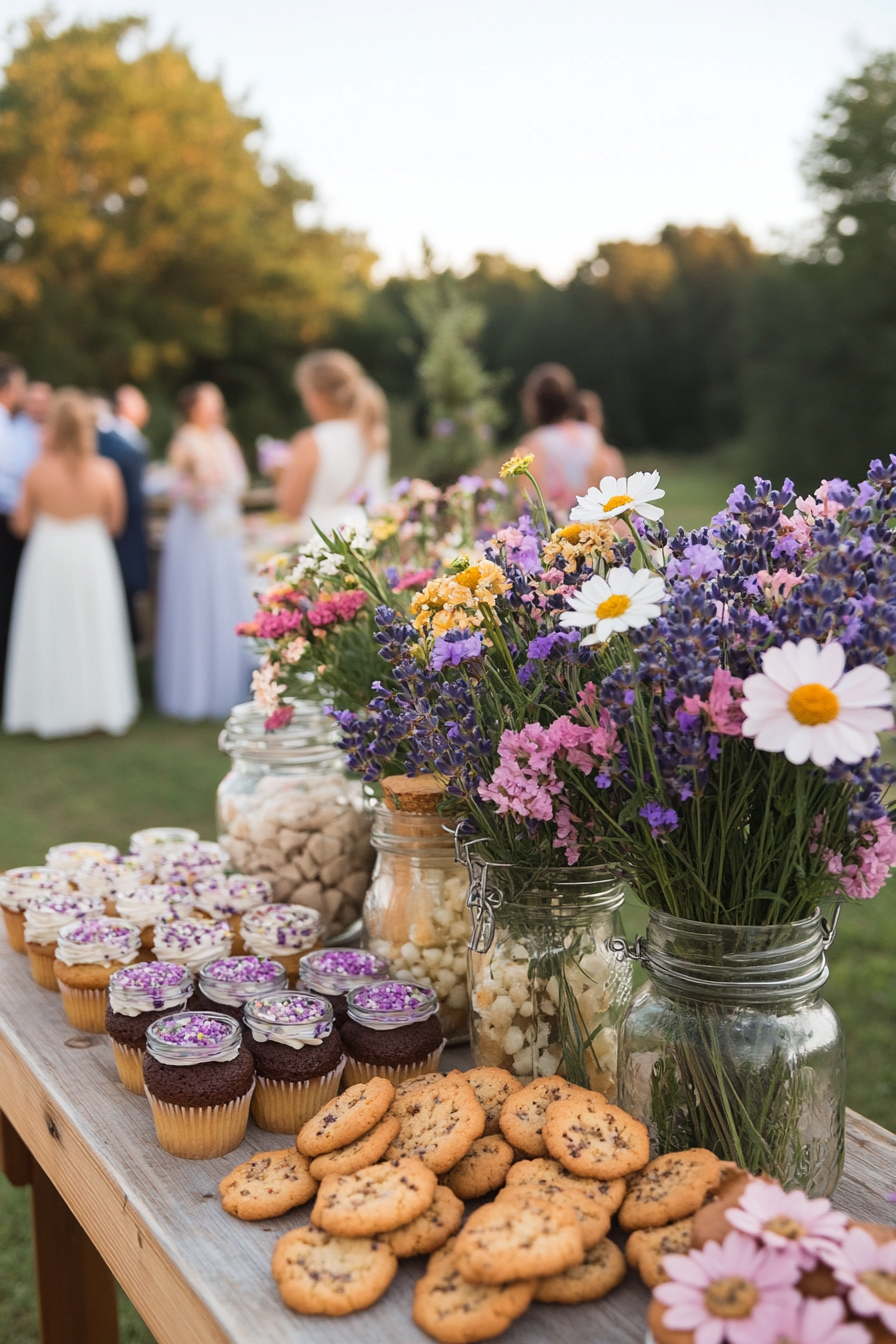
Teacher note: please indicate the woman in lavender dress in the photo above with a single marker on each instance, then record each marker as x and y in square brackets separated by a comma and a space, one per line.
[202, 668]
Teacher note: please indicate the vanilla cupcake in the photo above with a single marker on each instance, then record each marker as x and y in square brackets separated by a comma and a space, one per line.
[154, 841]
[191, 942]
[109, 879]
[225, 985]
[70, 856]
[298, 1058]
[393, 1031]
[193, 862]
[138, 996]
[282, 932]
[199, 1078]
[157, 904]
[45, 915]
[88, 952]
[17, 887]
[221, 897]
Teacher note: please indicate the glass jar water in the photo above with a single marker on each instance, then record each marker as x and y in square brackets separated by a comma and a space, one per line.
[547, 993]
[415, 911]
[729, 1046]
[287, 813]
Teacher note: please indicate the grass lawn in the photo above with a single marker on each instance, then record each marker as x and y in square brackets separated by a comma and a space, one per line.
[165, 773]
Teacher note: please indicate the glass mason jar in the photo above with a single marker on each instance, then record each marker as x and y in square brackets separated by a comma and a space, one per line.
[729, 1046]
[287, 813]
[415, 911]
[547, 994]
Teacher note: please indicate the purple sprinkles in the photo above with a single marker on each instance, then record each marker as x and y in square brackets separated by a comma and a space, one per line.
[348, 962]
[88, 931]
[292, 1009]
[242, 970]
[150, 975]
[391, 996]
[197, 1029]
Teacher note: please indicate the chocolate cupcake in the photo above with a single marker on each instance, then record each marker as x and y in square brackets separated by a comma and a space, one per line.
[138, 996]
[283, 933]
[45, 915]
[298, 1058]
[228, 898]
[334, 971]
[192, 862]
[154, 841]
[199, 1078]
[227, 984]
[17, 887]
[393, 1031]
[191, 942]
[159, 903]
[88, 952]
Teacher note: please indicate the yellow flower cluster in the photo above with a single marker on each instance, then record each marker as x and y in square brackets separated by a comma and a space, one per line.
[453, 602]
[517, 466]
[578, 542]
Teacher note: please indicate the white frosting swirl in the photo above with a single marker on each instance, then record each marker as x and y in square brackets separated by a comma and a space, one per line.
[122, 945]
[294, 1034]
[144, 908]
[280, 930]
[133, 1004]
[192, 944]
[18, 886]
[42, 923]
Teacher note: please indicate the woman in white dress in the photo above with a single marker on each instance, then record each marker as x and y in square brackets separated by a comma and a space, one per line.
[70, 667]
[344, 459]
[202, 668]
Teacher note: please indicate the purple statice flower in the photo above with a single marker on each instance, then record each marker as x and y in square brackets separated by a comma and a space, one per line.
[470, 484]
[542, 646]
[698, 561]
[454, 648]
[660, 819]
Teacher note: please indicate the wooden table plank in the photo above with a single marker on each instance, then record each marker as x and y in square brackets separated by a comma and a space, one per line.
[193, 1272]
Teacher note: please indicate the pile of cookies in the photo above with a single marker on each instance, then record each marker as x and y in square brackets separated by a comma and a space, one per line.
[389, 1170]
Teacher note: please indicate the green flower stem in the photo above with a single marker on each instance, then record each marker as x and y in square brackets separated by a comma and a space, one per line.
[545, 517]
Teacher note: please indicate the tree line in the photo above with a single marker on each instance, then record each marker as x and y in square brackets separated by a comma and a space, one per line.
[144, 237]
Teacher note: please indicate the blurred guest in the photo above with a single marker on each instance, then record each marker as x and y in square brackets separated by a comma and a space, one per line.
[131, 415]
[591, 410]
[330, 466]
[373, 421]
[131, 545]
[28, 423]
[70, 668]
[14, 464]
[569, 453]
[202, 669]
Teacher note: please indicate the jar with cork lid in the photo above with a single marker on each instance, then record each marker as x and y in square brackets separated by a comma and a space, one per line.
[415, 910]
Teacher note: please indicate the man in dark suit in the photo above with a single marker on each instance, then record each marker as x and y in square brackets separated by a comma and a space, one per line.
[133, 552]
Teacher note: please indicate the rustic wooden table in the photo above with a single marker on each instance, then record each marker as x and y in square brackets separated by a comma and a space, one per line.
[108, 1202]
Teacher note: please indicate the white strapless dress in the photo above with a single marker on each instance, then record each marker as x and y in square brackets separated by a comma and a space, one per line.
[70, 666]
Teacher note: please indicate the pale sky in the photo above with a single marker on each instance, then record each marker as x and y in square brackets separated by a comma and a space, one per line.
[530, 127]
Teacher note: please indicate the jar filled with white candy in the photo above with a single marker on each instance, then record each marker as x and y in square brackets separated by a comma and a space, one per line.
[415, 913]
[287, 813]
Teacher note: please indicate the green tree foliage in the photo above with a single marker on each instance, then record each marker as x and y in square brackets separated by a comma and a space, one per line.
[821, 329]
[141, 238]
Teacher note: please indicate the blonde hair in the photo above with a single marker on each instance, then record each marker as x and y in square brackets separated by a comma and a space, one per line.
[372, 415]
[71, 425]
[332, 374]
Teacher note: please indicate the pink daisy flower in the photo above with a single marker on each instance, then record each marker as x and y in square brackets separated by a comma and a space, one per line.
[733, 1293]
[868, 1271]
[781, 1218]
[820, 1321]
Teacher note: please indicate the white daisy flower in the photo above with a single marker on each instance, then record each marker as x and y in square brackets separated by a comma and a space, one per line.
[620, 494]
[804, 704]
[625, 600]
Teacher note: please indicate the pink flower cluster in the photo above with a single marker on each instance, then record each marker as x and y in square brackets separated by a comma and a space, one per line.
[273, 624]
[864, 877]
[526, 783]
[330, 608]
[723, 708]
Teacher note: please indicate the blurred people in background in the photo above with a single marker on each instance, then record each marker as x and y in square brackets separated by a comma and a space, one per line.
[131, 415]
[591, 410]
[14, 465]
[130, 544]
[569, 453]
[338, 462]
[69, 667]
[373, 421]
[202, 669]
[28, 422]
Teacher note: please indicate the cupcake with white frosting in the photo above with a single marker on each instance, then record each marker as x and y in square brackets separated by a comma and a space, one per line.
[159, 903]
[282, 933]
[138, 996]
[298, 1058]
[191, 942]
[88, 952]
[227, 984]
[74, 853]
[222, 897]
[45, 915]
[153, 841]
[110, 879]
[17, 887]
[192, 862]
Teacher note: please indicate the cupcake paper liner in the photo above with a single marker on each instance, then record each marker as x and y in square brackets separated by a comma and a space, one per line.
[42, 968]
[84, 1008]
[15, 929]
[358, 1072]
[283, 1108]
[200, 1131]
[129, 1062]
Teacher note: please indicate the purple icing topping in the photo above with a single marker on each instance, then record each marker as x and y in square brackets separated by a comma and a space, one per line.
[150, 975]
[291, 1008]
[242, 970]
[197, 1029]
[101, 930]
[391, 996]
[347, 961]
